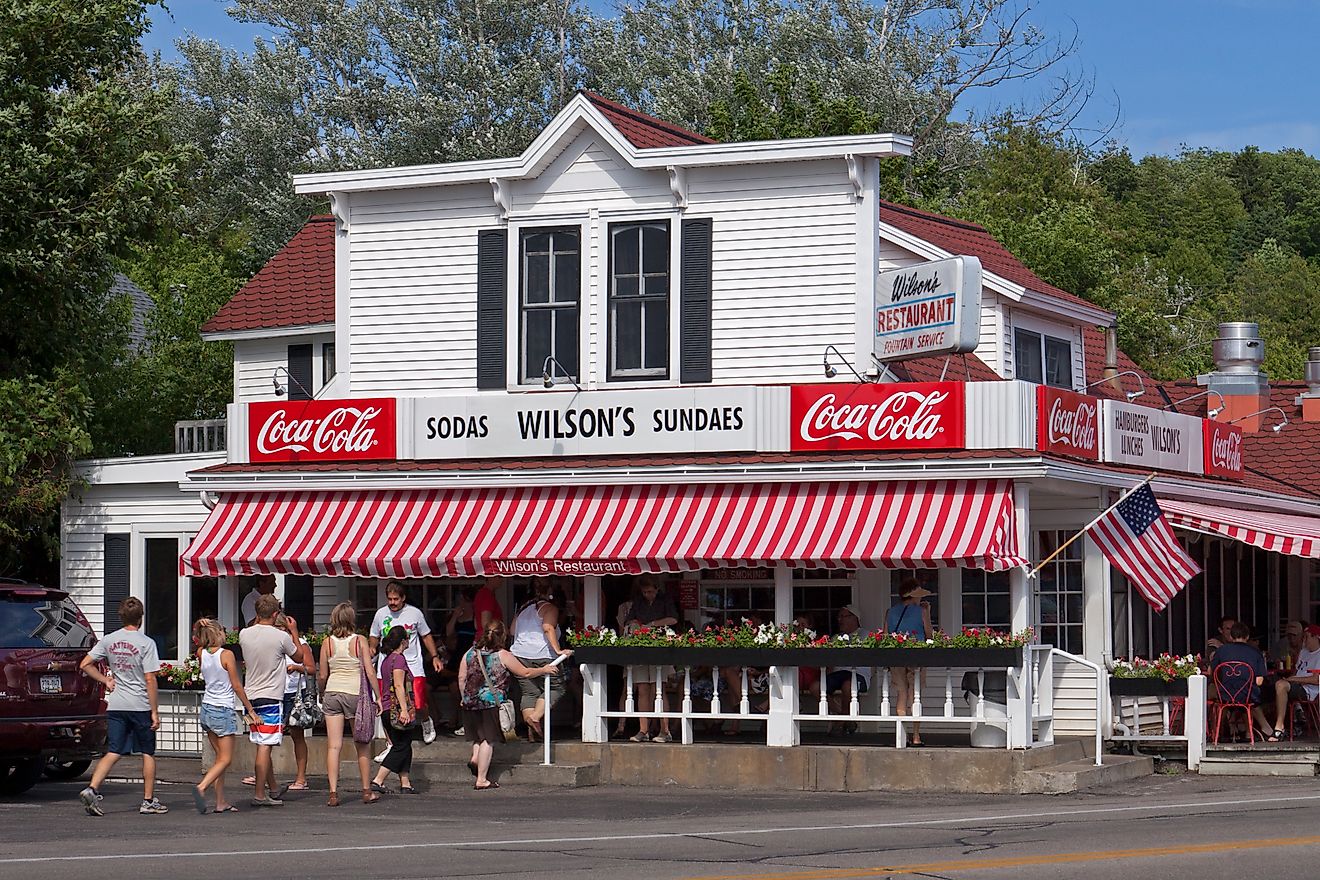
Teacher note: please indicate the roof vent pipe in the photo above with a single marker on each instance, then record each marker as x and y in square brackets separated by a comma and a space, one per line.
[1238, 349]
[1313, 371]
[1110, 372]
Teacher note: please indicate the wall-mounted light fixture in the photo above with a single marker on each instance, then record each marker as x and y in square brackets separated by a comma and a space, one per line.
[547, 376]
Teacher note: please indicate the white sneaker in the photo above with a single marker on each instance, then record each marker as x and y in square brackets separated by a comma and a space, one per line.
[458, 731]
[428, 731]
[381, 757]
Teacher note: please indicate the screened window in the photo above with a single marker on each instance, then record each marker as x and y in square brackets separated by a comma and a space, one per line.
[1045, 360]
[985, 599]
[162, 595]
[551, 285]
[639, 300]
[1059, 604]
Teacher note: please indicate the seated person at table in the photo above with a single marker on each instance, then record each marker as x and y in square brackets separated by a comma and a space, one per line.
[1237, 650]
[1287, 648]
[1220, 638]
[1304, 684]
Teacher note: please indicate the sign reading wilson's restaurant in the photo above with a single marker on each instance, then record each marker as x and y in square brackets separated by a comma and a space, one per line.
[929, 308]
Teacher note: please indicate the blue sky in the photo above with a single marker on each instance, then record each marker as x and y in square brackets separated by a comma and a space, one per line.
[1212, 73]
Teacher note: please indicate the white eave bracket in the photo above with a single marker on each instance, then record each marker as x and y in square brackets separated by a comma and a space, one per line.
[855, 176]
[339, 207]
[678, 185]
[500, 191]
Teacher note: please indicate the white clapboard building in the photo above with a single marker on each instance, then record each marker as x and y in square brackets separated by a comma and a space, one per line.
[631, 349]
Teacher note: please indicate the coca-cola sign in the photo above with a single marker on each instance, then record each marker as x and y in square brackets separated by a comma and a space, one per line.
[907, 415]
[322, 430]
[1067, 423]
[1223, 449]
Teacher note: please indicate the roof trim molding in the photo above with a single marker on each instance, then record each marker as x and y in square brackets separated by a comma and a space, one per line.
[267, 332]
[580, 114]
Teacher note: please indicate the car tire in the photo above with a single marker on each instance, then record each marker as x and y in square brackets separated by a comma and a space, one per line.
[17, 777]
[64, 770]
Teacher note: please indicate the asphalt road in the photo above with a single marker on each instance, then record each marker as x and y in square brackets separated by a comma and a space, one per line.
[1169, 828]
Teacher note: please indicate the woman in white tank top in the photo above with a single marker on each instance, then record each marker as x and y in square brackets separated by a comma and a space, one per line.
[536, 644]
[224, 692]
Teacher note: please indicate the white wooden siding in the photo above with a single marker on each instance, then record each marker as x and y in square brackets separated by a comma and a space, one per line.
[588, 174]
[989, 347]
[1074, 698]
[122, 496]
[1019, 318]
[413, 288]
[256, 360]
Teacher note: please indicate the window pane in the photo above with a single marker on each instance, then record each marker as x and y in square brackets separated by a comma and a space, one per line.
[327, 362]
[657, 285]
[1027, 356]
[537, 242]
[625, 286]
[655, 250]
[536, 341]
[657, 335]
[566, 339]
[567, 269]
[205, 598]
[162, 624]
[1058, 363]
[625, 250]
[536, 278]
[627, 335]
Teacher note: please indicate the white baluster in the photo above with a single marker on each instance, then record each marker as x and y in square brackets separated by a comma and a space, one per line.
[1164, 711]
[744, 704]
[659, 689]
[884, 692]
[686, 729]
[980, 693]
[854, 708]
[630, 704]
[714, 690]
[948, 693]
[824, 696]
[916, 692]
[1035, 681]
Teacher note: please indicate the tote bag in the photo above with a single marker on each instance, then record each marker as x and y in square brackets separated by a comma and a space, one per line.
[364, 719]
[507, 718]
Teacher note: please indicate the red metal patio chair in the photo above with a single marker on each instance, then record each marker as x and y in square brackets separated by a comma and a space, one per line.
[1233, 683]
[1310, 714]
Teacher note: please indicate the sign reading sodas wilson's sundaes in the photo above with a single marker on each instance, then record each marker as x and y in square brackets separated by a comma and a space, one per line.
[322, 430]
[907, 415]
[930, 308]
[1067, 423]
[1223, 449]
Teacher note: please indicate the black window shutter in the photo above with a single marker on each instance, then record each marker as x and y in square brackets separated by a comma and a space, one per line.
[114, 573]
[298, 600]
[300, 372]
[492, 305]
[694, 301]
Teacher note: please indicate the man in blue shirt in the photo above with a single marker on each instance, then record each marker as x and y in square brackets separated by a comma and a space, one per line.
[1229, 684]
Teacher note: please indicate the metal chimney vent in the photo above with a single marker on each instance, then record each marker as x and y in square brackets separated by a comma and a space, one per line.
[1238, 349]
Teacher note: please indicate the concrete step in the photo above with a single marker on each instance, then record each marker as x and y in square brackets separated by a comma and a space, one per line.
[556, 775]
[1262, 764]
[1078, 775]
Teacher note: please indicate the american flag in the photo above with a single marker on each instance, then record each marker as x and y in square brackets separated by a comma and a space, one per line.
[1139, 542]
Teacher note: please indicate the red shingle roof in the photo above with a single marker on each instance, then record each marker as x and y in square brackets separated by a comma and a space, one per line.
[1093, 349]
[296, 287]
[642, 131]
[961, 237]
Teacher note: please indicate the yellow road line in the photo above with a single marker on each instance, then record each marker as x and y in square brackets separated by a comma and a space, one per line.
[1025, 861]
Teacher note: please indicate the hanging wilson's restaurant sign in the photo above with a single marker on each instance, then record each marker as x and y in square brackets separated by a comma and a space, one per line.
[1067, 423]
[930, 308]
[1223, 449]
[1148, 437]
[322, 430]
[906, 415]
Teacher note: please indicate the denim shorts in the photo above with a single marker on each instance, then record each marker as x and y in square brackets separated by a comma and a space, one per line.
[219, 720]
[130, 733]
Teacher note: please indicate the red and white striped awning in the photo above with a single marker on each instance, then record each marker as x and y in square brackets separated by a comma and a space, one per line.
[1280, 532]
[608, 529]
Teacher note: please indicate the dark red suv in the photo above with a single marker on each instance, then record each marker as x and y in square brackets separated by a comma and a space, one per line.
[52, 717]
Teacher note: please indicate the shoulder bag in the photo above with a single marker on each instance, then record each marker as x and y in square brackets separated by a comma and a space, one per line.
[507, 718]
[364, 719]
[395, 705]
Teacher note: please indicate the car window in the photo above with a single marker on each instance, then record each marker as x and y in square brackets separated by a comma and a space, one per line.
[41, 622]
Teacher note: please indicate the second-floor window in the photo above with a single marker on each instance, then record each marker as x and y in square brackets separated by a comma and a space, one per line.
[1045, 360]
[639, 300]
[550, 284]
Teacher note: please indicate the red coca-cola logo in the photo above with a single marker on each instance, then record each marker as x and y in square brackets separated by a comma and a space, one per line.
[321, 430]
[911, 415]
[1067, 423]
[1223, 449]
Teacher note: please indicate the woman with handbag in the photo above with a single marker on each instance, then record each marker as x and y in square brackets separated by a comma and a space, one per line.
[397, 712]
[483, 676]
[348, 682]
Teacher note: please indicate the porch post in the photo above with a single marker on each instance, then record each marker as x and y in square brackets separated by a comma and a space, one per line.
[591, 600]
[1020, 700]
[228, 599]
[1019, 586]
[593, 703]
[1194, 721]
[780, 728]
[783, 593]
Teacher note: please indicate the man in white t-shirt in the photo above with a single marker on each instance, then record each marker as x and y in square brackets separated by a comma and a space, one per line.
[397, 612]
[839, 681]
[1304, 683]
[264, 586]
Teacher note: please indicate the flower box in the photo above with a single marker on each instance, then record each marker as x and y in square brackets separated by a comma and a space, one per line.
[989, 658]
[1147, 687]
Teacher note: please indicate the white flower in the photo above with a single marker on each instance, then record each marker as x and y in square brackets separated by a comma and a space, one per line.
[669, 631]
[930, 641]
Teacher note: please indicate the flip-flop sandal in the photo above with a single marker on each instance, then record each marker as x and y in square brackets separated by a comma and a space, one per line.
[297, 786]
[199, 801]
[487, 787]
[229, 809]
[249, 780]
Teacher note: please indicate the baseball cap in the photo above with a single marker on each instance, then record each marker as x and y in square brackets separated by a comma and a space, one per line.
[1313, 630]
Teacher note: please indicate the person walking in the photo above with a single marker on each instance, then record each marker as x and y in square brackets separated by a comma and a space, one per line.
[296, 675]
[397, 712]
[398, 613]
[219, 722]
[483, 674]
[536, 644]
[266, 653]
[345, 665]
[132, 713]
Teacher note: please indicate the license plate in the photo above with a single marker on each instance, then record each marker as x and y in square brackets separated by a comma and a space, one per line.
[50, 684]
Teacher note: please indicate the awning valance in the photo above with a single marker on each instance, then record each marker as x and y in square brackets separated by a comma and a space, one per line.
[608, 529]
[1280, 532]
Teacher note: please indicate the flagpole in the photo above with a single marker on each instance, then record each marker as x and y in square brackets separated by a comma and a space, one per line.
[1035, 569]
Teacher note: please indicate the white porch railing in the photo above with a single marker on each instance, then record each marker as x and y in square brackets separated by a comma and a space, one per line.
[200, 435]
[1130, 725]
[179, 734]
[1027, 716]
